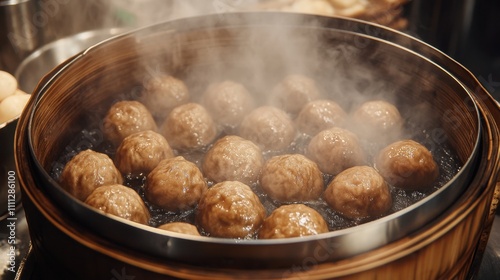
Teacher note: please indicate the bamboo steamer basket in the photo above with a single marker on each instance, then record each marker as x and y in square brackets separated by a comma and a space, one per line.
[74, 242]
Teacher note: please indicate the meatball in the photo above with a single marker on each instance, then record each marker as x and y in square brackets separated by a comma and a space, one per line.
[335, 149]
[125, 118]
[230, 209]
[319, 115]
[378, 121]
[228, 102]
[189, 127]
[162, 93]
[408, 165]
[120, 201]
[175, 185]
[269, 127]
[180, 227]
[294, 220]
[358, 192]
[141, 152]
[291, 178]
[293, 92]
[86, 171]
[233, 158]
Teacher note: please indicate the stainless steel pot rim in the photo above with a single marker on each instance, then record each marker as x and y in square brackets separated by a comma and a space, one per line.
[11, 2]
[67, 40]
[60, 42]
[376, 226]
[62, 49]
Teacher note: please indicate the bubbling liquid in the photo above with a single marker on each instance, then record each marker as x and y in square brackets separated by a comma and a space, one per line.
[444, 156]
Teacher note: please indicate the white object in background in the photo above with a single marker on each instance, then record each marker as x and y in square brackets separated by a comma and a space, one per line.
[8, 85]
[12, 106]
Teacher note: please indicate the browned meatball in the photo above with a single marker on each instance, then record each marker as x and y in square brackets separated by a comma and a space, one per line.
[162, 93]
[175, 185]
[120, 201]
[359, 192]
[378, 121]
[293, 92]
[189, 127]
[268, 127]
[335, 149]
[230, 209]
[125, 118]
[180, 227]
[86, 171]
[233, 158]
[291, 178]
[319, 115]
[407, 165]
[294, 220]
[141, 152]
[228, 102]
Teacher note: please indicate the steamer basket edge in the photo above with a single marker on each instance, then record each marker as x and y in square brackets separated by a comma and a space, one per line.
[82, 238]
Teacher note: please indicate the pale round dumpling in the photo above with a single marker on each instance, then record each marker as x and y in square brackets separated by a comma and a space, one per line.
[12, 106]
[8, 85]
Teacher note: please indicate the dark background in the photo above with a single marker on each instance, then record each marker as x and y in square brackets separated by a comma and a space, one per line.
[467, 30]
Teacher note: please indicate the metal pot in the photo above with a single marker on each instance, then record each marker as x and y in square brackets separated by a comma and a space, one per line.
[26, 25]
[75, 95]
[42, 60]
[19, 35]
[28, 73]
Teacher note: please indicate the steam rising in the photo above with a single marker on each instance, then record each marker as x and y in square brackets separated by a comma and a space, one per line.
[345, 71]
[259, 58]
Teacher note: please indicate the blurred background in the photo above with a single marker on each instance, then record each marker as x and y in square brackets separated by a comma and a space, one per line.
[467, 30]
